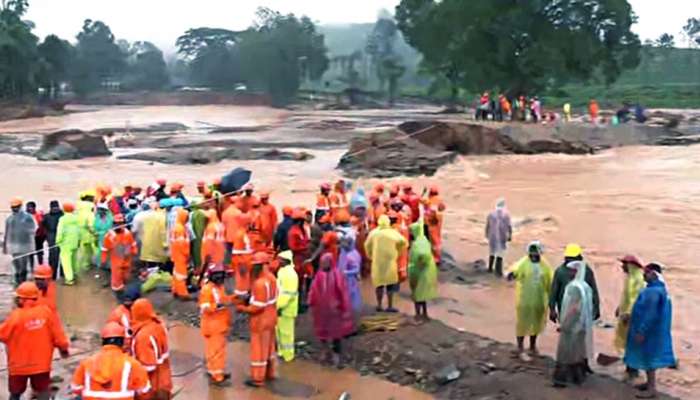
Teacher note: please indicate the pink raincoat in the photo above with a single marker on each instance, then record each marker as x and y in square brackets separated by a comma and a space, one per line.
[330, 302]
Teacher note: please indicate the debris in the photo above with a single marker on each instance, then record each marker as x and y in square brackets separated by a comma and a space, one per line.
[447, 374]
[71, 144]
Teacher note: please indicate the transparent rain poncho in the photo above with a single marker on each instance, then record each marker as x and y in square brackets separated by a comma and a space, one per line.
[576, 319]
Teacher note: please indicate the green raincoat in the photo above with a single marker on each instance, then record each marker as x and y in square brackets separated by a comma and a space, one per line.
[533, 281]
[88, 241]
[383, 247]
[422, 270]
[198, 221]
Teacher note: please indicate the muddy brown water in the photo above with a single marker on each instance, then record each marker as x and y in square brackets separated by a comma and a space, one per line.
[641, 200]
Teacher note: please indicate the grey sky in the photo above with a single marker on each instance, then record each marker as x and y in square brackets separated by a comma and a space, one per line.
[162, 21]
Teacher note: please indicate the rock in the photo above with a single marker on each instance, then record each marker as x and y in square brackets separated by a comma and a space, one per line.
[71, 145]
[447, 374]
[484, 343]
[410, 371]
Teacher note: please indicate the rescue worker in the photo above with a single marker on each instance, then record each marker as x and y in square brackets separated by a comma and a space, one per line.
[176, 193]
[43, 275]
[213, 246]
[39, 235]
[282, 232]
[340, 204]
[268, 218]
[499, 232]
[533, 275]
[19, 239]
[412, 201]
[633, 285]
[110, 374]
[69, 234]
[86, 219]
[378, 190]
[229, 218]
[567, 112]
[323, 202]
[198, 223]
[287, 305]
[422, 271]
[241, 254]
[50, 224]
[399, 222]
[434, 208]
[104, 221]
[122, 313]
[262, 309]
[150, 347]
[247, 199]
[154, 239]
[376, 210]
[215, 322]
[180, 255]
[593, 110]
[299, 243]
[30, 334]
[119, 247]
[383, 247]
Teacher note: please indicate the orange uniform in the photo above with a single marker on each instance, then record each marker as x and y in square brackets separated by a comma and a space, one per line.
[121, 249]
[434, 208]
[263, 321]
[255, 229]
[593, 110]
[180, 254]
[375, 211]
[323, 205]
[110, 374]
[215, 321]
[402, 226]
[150, 347]
[213, 245]
[268, 220]
[122, 316]
[340, 205]
[30, 334]
[230, 221]
[48, 297]
[245, 203]
[241, 254]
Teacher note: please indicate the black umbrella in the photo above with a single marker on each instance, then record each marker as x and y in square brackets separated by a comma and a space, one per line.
[235, 180]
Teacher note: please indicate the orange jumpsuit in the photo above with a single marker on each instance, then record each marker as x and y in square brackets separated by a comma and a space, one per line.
[215, 321]
[110, 374]
[268, 221]
[180, 254]
[323, 206]
[241, 256]
[150, 347]
[30, 334]
[593, 110]
[48, 298]
[213, 245]
[373, 213]
[121, 249]
[402, 226]
[245, 203]
[340, 207]
[122, 316]
[434, 208]
[255, 231]
[263, 321]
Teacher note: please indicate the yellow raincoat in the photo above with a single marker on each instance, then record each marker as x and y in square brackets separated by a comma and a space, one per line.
[154, 240]
[533, 282]
[287, 306]
[383, 247]
[88, 241]
[634, 283]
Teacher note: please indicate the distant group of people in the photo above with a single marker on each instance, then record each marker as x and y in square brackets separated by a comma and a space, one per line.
[227, 249]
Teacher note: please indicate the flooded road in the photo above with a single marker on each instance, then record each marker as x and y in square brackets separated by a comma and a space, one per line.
[639, 200]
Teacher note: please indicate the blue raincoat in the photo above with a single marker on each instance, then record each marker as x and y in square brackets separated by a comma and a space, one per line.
[651, 318]
[359, 200]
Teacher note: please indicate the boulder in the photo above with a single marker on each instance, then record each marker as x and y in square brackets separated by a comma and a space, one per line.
[71, 145]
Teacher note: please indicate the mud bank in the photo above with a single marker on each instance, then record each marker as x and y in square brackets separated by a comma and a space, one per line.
[211, 155]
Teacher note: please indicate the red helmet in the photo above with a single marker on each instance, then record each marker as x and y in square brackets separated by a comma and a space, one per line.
[325, 186]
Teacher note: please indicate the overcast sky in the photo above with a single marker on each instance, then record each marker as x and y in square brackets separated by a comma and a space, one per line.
[162, 21]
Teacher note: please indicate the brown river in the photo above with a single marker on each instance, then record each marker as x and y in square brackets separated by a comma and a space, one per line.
[639, 200]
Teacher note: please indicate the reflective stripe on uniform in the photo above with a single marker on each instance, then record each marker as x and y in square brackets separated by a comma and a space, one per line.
[258, 363]
[124, 389]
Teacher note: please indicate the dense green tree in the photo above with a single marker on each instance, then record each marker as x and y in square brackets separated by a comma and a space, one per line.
[20, 68]
[98, 57]
[57, 55]
[212, 56]
[146, 67]
[521, 46]
[665, 41]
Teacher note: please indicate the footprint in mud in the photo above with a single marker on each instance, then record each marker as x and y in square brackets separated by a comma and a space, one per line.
[285, 388]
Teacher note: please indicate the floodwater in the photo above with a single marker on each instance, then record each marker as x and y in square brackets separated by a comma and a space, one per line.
[639, 200]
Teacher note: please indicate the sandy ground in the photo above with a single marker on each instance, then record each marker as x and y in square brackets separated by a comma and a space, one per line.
[641, 200]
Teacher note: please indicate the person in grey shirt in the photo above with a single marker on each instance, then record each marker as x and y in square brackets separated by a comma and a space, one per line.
[20, 228]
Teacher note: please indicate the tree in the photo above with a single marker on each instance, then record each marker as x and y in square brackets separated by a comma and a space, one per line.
[98, 57]
[19, 59]
[521, 46]
[692, 31]
[57, 55]
[212, 56]
[146, 67]
[665, 41]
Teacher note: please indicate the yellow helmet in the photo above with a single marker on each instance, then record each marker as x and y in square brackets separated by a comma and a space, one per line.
[573, 250]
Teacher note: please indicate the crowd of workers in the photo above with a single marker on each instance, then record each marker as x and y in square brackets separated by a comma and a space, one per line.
[229, 248]
[569, 297]
[524, 108]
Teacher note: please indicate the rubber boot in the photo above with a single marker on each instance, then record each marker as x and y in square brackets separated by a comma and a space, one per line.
[499, 267]
[491, 260]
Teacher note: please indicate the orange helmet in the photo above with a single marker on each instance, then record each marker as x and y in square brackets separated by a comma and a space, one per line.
[43, 271]
[27, 290]
[379, 188]
[342, 217]
[177, 186]
[142, 310]
[16, 202]
[118, 218]
[287, 211]
[261, 258]
[68, 207]
[112, 330]
[201, 184]
[299, 213]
